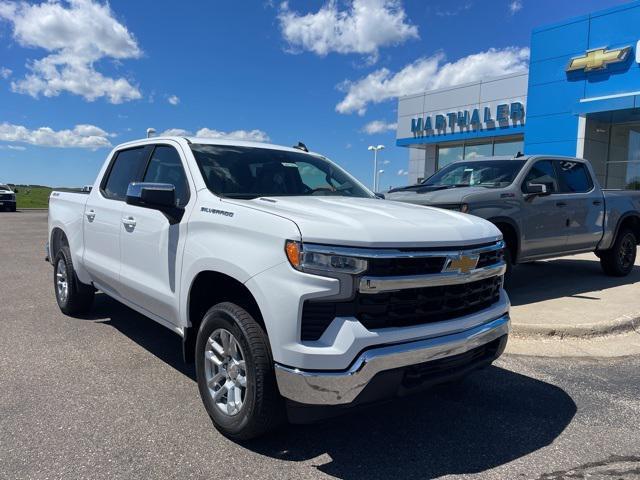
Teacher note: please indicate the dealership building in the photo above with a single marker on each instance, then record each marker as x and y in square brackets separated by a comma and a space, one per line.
[580, 97]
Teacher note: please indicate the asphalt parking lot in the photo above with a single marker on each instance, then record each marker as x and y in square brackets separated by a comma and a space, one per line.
[107, 396]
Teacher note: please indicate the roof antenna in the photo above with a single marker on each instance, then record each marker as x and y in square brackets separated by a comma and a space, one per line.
[151, 132]
[301, 146]
[519, 154]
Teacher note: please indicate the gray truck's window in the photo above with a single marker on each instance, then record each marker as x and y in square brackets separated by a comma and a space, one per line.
[125, 169]
[165, 166]
[542, 173]
[574, 177]
[484, 173]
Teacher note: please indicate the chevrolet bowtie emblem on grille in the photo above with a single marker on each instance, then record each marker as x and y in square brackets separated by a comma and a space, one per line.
[460, 264]
[598, 59]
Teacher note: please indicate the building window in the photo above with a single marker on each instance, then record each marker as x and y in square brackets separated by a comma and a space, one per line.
[623, 167]
[452, 152]
[449, 154]
[508, 147]
[477, 150]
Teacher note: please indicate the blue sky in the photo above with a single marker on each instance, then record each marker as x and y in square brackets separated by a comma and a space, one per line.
[79, 76]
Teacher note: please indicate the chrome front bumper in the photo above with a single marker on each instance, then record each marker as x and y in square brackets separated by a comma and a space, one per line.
[343, 387]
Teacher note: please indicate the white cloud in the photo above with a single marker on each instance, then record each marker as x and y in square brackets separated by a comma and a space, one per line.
[249, 135]
[402, 172]
[455, 11]
[515, 6]
[77, 34]
[379, 126]
[173, 100]
[427, 74]
[12, 147]
[364, 27]
[176, 132]
[82, 136]
[5, 72]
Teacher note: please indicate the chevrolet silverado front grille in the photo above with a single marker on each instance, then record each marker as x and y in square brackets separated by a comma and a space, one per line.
[414, 288]
[402, 308]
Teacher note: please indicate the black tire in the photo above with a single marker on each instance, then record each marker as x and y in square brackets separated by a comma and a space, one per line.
[262, 409]
[619, 260]
[79, 296]
[12, 208]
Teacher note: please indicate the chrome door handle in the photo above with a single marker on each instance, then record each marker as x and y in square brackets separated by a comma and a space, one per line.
[129, 222]
[91, 214]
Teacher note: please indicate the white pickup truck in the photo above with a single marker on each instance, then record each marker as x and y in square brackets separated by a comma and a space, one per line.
[296, 291]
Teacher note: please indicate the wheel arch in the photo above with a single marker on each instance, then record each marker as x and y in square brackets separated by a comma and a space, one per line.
[630, 220]
[57, 241]
[208, 288]
[511, 234]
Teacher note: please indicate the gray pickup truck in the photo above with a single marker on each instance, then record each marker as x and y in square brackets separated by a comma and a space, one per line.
[545, 206]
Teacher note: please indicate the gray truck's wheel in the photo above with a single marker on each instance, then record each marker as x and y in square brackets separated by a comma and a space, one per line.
[235, 373]
[619, 260]
[73, 297]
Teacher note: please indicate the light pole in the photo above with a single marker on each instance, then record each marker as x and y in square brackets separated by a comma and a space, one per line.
[380, 172]
[375, 164]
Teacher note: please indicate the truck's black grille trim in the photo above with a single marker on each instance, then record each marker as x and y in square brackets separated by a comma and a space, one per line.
[490, 258]
[397, 267]
[390, 267]
[6, 196]
[402, 308]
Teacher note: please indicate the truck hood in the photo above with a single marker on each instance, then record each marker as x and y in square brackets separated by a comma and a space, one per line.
[366, 222]
[426, 196]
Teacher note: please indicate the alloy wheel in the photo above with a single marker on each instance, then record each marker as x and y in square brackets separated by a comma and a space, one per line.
[62, 283]
[225, 371]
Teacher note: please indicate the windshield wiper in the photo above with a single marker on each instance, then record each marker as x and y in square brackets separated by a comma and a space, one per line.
[241, 196]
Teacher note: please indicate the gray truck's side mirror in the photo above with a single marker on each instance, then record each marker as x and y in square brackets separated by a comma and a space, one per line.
[537, 189]
[157, 196]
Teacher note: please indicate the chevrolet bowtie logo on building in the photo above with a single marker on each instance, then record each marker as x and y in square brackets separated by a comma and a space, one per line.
[460, 264]
[598, 59]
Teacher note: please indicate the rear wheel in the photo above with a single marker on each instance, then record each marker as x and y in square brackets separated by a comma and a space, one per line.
[235, 373]
[619, 260]
[73, 296]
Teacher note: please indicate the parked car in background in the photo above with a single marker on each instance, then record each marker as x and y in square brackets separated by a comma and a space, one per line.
[294, 288]
[7, 198]
[545, 206]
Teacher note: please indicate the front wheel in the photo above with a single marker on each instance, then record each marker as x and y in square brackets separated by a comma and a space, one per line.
[619, 260]
[235, 373]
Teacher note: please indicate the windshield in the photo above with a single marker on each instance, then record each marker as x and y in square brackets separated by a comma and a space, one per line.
[480, 173]
[250, 172]
[4, 187]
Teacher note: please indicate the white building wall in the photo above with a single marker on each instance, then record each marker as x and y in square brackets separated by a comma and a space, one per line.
[485, 93]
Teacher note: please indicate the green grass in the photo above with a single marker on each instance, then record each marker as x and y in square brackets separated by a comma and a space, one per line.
[34, 196]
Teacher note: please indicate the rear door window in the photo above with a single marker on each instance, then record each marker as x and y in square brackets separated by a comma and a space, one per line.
[127, 167]
[574, 177]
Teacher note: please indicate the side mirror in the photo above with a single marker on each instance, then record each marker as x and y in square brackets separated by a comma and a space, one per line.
[380, 195]
[156, 196]
[537, 189]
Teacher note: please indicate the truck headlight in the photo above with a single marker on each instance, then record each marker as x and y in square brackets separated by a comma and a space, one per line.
[309, 260]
